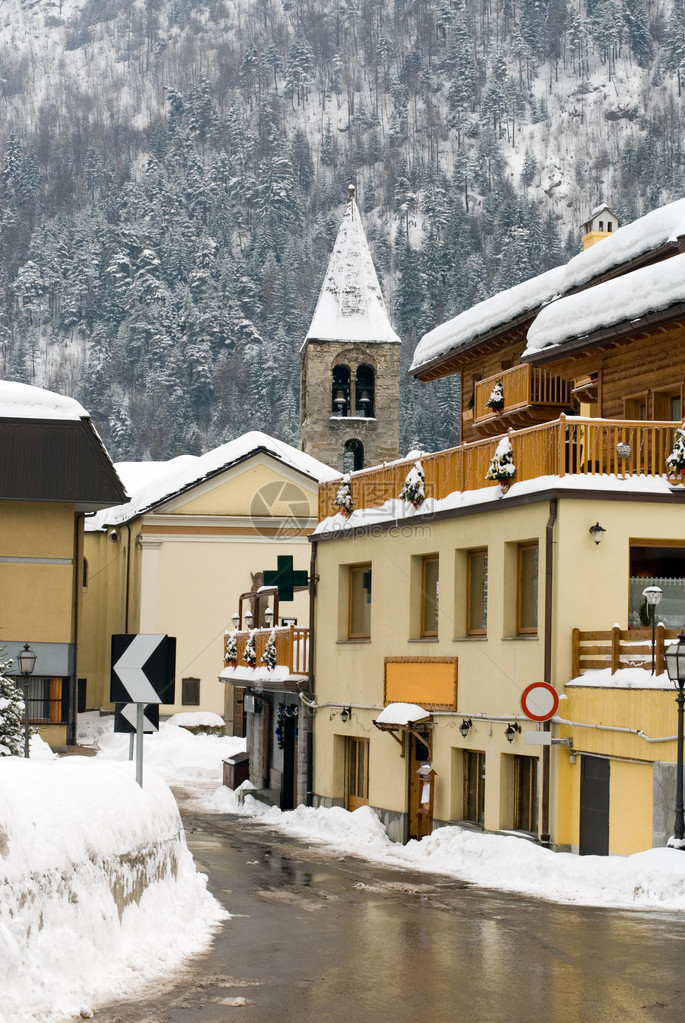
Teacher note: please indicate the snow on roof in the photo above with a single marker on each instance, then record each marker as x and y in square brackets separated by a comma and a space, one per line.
[628, 243]
[648, 290]
[350, 305]
[22, 401]
[151, 483]
[401, 714]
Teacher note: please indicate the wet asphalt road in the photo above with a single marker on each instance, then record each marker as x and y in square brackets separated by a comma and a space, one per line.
[316, 937]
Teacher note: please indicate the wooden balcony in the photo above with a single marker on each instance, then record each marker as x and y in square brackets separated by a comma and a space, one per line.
[567, 445]
[617, 648]
[530, 395]
[292, 654]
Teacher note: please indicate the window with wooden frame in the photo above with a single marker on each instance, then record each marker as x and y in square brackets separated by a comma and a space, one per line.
[190, 692]
[527, 589]
[359, 615]
[430, 595]
[474, 786]
[635, 407]
[356, 773]
[668, 404]
[526, 794]
[477, 592]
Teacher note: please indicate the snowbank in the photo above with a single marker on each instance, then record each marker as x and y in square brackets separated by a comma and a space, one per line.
[98, 892]
[646, 880]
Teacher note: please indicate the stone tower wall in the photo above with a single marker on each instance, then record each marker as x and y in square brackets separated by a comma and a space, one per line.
[324, 435]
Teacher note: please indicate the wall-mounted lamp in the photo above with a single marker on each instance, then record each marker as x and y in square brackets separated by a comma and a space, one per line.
[465, 726]
[236, 620]
[249, 618]
[27, 662]
[597, 532]
[511, 731]
[268, 617]
[345, 714]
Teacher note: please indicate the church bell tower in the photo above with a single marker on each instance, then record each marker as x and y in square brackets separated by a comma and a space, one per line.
[350, 361]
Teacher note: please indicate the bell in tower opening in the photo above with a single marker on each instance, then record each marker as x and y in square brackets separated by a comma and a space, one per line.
[350, 361]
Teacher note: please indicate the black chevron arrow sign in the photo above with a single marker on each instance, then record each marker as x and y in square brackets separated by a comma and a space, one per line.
[126, 717]
[143, 668]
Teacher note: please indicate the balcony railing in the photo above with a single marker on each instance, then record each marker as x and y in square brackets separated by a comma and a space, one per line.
[292, 648]
[617, 648]
[566, 445]
[523, 387]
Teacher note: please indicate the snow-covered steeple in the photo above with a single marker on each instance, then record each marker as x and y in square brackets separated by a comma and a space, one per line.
[350, 380]
[350, 306]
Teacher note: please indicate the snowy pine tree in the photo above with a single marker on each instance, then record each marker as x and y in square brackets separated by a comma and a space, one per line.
[502, 468]
[268, 658]
[343, 498]
[676, 460]
[11, 715]
[249, 654]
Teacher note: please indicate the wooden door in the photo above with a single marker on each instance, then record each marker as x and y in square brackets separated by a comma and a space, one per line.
[356, 773]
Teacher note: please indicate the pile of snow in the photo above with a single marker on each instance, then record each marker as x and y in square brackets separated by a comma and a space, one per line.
[174, 752]
[652, 879]
[98, 892]
[196, 719]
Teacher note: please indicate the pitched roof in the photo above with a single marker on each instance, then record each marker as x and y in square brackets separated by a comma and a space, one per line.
[350, 305]
[50, 451]
[152, 483]
[653, 236]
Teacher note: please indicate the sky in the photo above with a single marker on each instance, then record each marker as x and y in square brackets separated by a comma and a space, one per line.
[67, 823]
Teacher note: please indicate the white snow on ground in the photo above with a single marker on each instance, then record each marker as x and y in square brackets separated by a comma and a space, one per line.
[647, 880]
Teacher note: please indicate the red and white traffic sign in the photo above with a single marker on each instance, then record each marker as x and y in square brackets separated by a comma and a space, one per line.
[540, 701]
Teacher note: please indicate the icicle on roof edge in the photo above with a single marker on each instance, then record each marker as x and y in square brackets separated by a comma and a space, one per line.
[350, 305]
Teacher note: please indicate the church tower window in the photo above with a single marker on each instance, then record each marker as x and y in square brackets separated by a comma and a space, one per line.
[364, 392]
[341, 391]
[353, 457]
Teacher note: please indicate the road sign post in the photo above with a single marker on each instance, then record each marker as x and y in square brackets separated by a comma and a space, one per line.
[143, 672]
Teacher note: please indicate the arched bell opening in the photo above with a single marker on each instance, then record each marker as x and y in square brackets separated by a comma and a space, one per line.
[365, 392]
[353, 456]
[340, 399]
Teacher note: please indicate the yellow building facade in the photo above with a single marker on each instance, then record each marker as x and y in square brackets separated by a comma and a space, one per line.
[197, 535]
[456, 610]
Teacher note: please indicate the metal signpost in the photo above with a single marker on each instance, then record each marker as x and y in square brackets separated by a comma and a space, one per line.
[143, 672]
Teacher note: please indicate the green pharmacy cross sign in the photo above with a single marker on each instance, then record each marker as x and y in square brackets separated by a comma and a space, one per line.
[285, 578]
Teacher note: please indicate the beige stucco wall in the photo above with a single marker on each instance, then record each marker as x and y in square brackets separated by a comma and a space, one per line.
[590, 587]
[187, 564]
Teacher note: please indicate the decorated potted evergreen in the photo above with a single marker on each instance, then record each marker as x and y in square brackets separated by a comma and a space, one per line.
[496, 399]
[249, 653]
[268, 658]
[343, 498]
[414, 487]
[231, 655]
[676, 460]
[502, 468]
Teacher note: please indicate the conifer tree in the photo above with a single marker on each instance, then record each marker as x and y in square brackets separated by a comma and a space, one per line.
[11, 714]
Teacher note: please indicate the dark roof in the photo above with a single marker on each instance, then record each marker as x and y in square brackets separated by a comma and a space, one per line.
[57, 460]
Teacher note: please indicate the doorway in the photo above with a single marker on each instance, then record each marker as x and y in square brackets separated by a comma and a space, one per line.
[594, 806]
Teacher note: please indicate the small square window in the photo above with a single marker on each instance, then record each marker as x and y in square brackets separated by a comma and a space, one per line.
[190, 692]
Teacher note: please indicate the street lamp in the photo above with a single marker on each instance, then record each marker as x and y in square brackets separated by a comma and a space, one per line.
[27, 662]
[675, 666]
[652, 595]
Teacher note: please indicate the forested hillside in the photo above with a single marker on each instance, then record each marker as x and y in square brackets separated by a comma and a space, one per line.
[174, 174]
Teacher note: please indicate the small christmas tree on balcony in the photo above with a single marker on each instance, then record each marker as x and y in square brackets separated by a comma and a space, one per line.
[496, 399]
[676, 460]
[414, 487]
[343, 499]
[502, 468]
[268, 658]
[231, 655]
[11, 715]
[249, 654]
